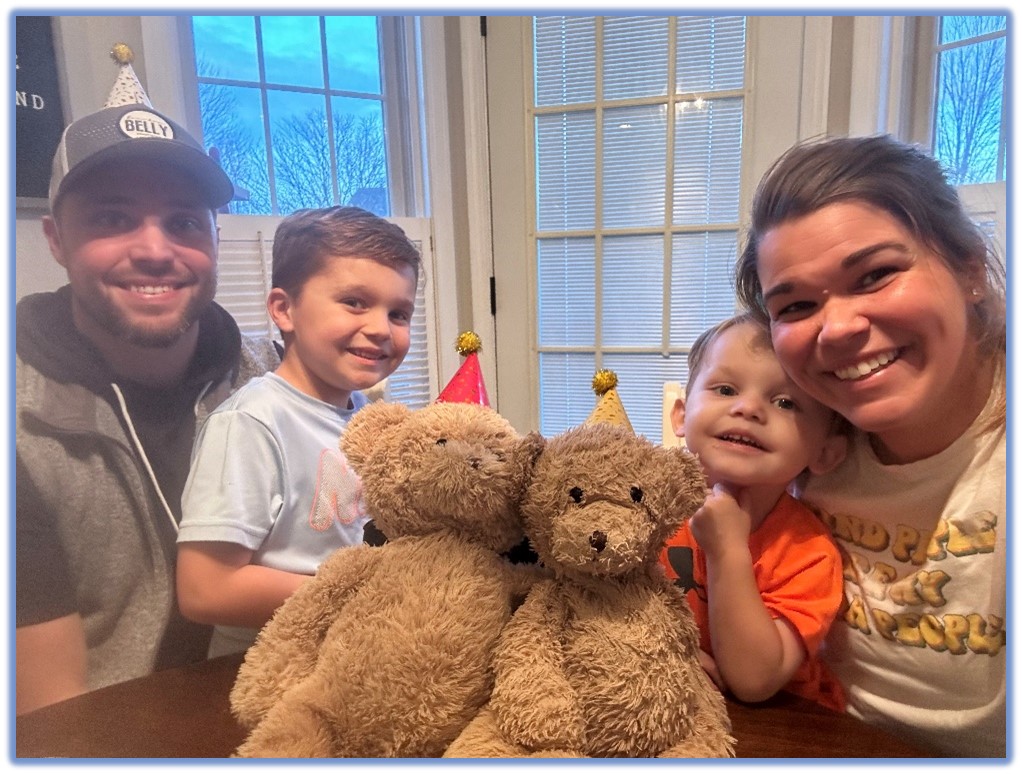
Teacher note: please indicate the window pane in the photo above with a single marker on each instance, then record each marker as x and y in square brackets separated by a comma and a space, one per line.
[566, 171]
[353, 53]
[361, 153]
[306, 151]
[969, 105]
[708, 159]
[701, 293]
[711, 53]
[640, 383]
[634, 166]
[225, 47]
[301, 154]
[633, 291]
[565, 54]
[567, 289]
[232, 128]
[634, 56]
[565, 390]
[955, 28]
[304, 165]
[292, 50]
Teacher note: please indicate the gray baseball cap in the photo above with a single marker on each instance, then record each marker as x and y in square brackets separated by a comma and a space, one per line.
[128, 127]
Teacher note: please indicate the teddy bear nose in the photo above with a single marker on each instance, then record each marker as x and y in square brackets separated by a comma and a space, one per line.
[598, 540]
[475, 463]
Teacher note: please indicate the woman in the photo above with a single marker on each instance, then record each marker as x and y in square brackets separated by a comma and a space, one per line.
[885, 303]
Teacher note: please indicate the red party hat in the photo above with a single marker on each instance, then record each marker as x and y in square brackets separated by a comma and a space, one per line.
[466, 386]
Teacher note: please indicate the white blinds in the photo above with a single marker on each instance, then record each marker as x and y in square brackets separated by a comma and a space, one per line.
[243, 281]
[244, 271]
[638, 147]
[410, 384]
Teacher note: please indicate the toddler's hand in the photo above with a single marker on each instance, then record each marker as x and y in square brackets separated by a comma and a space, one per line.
[721, 522]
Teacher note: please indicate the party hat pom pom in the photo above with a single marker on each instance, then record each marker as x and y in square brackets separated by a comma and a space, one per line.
[468, 342]
[604, 381]
[122, 53]
[127, 90]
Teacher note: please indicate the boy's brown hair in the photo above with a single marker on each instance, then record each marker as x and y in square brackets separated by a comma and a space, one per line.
[704, 340]
[307, 238]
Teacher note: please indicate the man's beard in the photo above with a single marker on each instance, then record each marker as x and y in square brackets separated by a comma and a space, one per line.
[141, 334]
[160, 338]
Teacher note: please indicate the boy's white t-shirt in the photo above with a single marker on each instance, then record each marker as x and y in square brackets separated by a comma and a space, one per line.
[267, 473]
[920, 644]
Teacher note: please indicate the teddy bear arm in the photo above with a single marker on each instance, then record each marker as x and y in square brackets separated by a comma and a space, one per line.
[711, 733]
[534, 703]
[520, 578]
[286, 650]
[711, 727]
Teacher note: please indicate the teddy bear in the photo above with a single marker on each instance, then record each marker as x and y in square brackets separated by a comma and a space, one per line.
[385, 652]
[601, 660]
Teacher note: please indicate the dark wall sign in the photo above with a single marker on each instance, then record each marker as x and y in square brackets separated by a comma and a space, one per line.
[38, 110]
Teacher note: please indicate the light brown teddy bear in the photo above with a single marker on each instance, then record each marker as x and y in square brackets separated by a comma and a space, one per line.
[602, 660]
[386, 651]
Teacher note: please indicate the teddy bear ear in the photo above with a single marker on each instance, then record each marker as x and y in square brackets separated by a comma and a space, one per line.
[531, 446]
[525, 454]
[367, 426]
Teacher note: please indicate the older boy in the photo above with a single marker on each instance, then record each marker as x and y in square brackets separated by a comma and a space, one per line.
[270, 495]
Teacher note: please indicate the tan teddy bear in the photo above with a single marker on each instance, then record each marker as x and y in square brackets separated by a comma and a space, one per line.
[602, 659]
[386, 651]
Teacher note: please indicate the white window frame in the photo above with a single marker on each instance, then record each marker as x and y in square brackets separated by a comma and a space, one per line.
[398, 36]
[786, 101]
[893, 92]
[922, 36]
[172, 86]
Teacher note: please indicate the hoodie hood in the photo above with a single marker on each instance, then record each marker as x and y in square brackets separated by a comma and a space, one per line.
[47, 339]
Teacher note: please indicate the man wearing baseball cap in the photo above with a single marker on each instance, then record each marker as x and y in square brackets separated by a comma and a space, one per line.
[114, 372]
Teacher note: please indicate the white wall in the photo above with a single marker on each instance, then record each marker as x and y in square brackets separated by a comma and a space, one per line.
[36, 269]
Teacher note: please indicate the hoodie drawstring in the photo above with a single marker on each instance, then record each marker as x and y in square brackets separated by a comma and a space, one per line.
[142, 454]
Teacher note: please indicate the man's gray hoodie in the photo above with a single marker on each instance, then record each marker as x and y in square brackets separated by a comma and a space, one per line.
[100, 466]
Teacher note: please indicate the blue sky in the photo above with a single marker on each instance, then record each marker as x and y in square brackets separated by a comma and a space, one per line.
[226, 48]
[292, 49]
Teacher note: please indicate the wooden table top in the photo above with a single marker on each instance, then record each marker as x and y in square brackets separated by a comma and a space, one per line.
[185, 713]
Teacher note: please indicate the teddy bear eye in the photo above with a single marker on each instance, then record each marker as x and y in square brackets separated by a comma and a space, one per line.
[441, 441]
[576, 494]
[636, 494]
